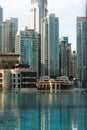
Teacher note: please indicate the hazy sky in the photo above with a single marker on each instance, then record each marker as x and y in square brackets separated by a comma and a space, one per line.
[65, 10]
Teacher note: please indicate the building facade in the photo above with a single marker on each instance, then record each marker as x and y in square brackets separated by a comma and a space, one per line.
[3, 37]
[19, 77]
[74, 64]
[12, 26]
[1, 14]
[65, 57]
[38, 11]
[82, 50]
[50, 46]
[28, 46]
[8, 30]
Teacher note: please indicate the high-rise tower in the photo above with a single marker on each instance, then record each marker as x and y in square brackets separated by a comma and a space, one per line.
[82, 49]
[50, 46]
[27, 46]
[8, 30]
[38, 11]
[65, 57]
[1, 14]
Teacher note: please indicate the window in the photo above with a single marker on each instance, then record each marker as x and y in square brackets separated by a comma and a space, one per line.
[18, 80]
[0, 80]
[13, 75]
[0, 74]
[19, 86]
[18, 75]
[14, 80]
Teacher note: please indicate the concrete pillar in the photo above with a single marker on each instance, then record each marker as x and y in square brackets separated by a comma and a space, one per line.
[46, 86]
[59, 87]
[55, 87]
[50, 87]
[6, 79]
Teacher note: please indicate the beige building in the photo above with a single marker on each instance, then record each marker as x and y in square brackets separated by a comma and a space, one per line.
[19, 77]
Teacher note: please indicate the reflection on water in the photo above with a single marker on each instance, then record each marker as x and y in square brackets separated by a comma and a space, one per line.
[23, 111]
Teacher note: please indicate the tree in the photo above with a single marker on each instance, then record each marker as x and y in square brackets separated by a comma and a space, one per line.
[8, 64]
[71, 77]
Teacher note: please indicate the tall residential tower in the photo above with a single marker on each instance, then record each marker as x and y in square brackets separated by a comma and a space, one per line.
[38, 11]
[50, 46]
[82, 49]
[65, 57]
[27, 45]
[8, 30]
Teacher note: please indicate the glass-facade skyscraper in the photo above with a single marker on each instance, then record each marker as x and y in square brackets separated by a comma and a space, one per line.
[1, 14]
[3, 37]
[38, 11]
[8, 30]
[27, 45]
[12, 26]
[82, 50]
[65, 57]
[50, 46]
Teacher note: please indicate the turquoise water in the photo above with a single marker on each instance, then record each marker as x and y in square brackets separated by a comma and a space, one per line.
[25, 111]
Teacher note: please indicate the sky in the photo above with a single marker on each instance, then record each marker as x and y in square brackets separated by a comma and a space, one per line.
[65, 10]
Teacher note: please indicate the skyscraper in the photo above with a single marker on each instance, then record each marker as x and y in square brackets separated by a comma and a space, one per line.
[1, 19]
[27, 45]
[8, 30]
[1, 14]
[38, 11]
[65, 57]
[50, 46]
[82, 50]
[74, 64]
[12, 26]
[3, 37]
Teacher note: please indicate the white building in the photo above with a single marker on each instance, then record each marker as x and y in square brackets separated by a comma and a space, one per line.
[38, 11]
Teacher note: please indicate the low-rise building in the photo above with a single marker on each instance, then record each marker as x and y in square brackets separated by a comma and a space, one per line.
[54, 85]
[21, 76]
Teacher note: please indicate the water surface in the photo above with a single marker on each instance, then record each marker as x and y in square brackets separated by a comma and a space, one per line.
[38, 111]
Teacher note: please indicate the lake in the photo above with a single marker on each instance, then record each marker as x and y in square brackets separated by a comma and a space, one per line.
[43, 111]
